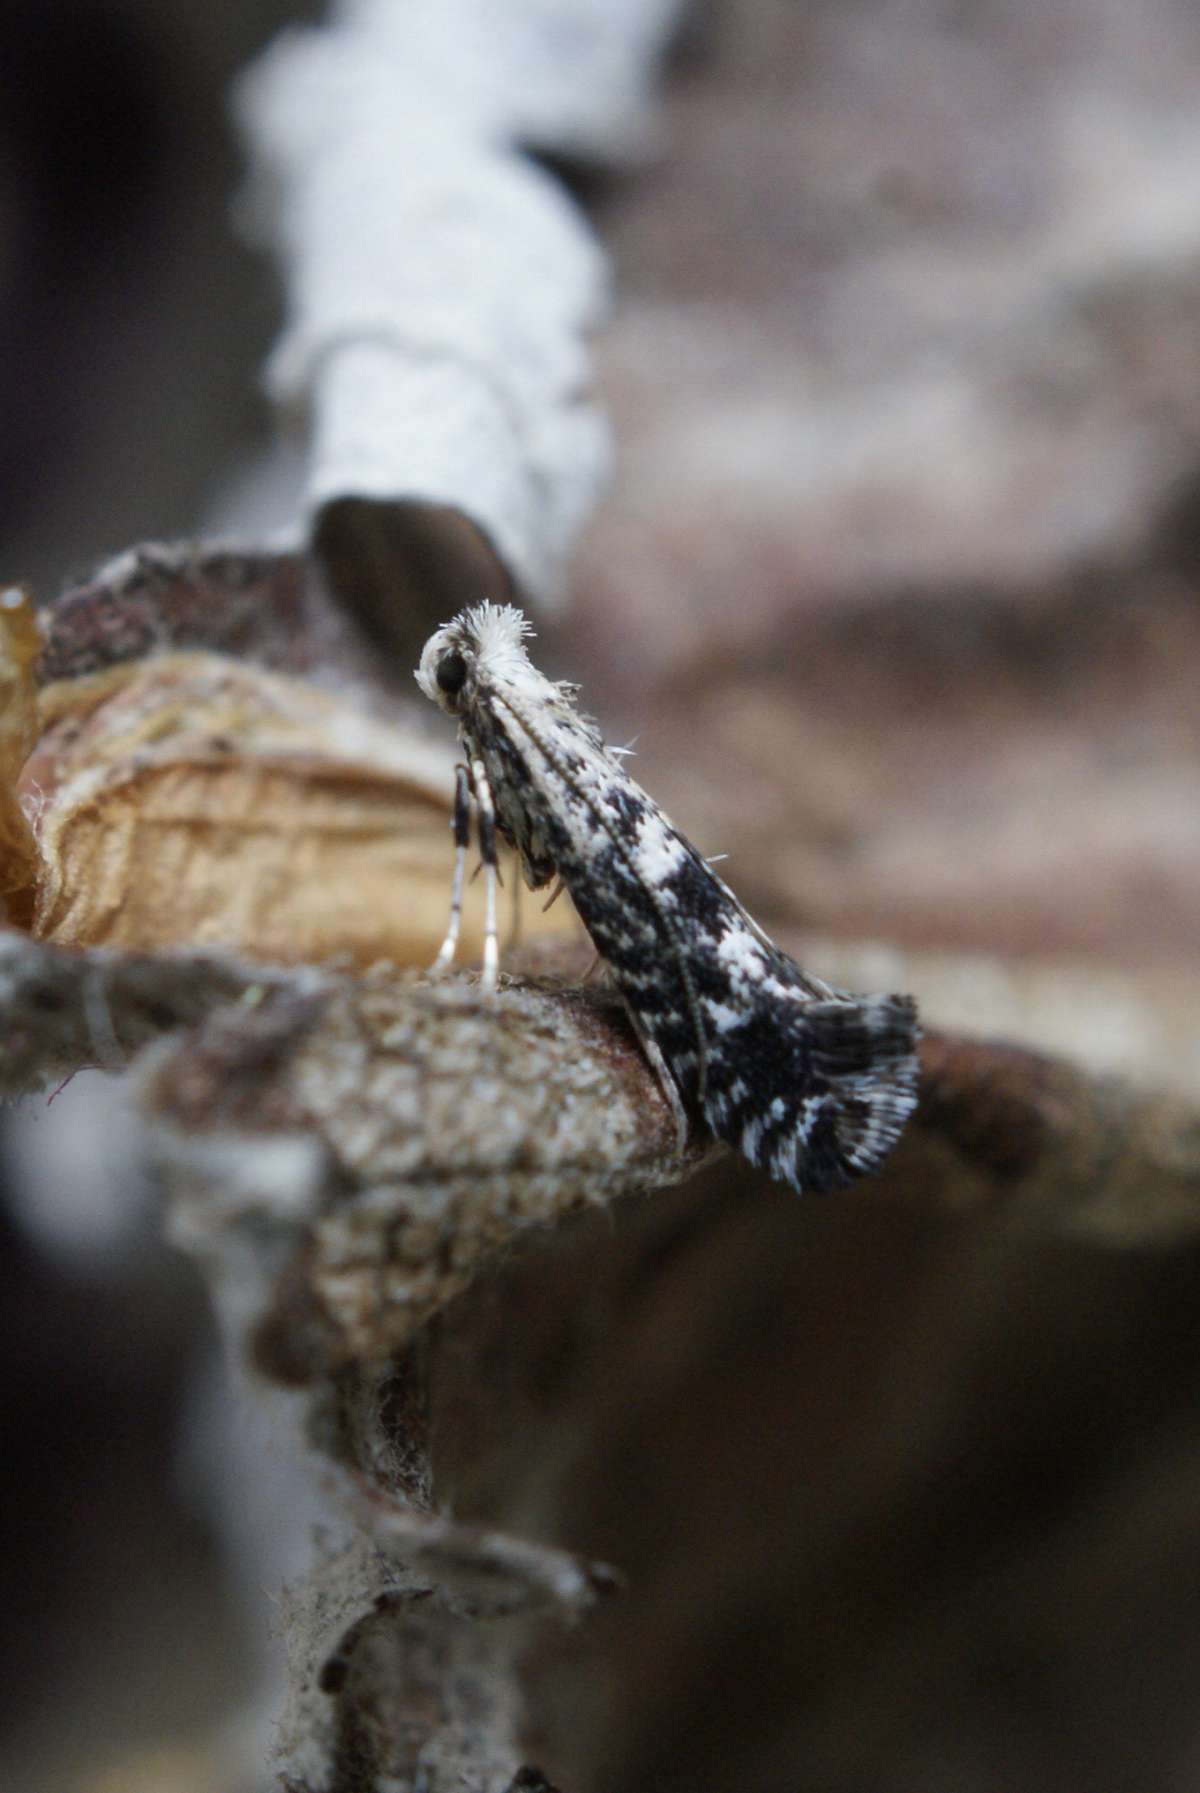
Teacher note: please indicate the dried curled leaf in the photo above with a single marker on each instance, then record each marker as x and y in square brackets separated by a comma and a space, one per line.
[186, 799]
[182, 798]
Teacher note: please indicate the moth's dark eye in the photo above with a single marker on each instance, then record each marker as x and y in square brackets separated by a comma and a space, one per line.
[451, 674]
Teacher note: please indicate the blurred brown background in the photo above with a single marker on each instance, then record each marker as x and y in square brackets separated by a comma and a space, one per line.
[899, 583]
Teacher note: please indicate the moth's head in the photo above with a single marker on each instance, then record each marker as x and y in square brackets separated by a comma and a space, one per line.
[482, 644]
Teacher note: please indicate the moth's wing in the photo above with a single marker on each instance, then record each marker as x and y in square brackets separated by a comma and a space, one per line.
[514, 804]
[537, 867]
[519, 827]
[816, 1092]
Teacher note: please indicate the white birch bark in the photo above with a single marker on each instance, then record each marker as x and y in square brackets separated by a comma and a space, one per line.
[440, 283]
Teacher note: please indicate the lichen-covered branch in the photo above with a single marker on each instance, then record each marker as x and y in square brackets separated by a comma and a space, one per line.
[389, 1138]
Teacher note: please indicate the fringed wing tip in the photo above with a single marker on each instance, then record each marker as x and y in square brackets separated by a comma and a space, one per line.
[867, 1050]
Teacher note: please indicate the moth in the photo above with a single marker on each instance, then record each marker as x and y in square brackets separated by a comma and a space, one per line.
[811, 1083]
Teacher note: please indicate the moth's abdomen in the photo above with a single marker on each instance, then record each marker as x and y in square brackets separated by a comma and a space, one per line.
[816, 1092]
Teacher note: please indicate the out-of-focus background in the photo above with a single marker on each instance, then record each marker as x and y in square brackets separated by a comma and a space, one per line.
[899, 581]
[134, 322]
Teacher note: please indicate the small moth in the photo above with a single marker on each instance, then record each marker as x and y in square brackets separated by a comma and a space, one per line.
[811, 1083]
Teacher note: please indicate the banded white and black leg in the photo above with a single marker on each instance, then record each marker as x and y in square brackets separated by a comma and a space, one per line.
[487, 852]
[460, 824]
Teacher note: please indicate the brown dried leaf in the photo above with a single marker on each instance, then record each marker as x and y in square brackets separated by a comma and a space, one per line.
[188, 799]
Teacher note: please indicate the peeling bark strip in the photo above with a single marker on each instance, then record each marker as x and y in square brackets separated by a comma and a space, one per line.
[442, 285]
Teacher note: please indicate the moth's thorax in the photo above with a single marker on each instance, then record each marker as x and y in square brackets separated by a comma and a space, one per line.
[479, 659]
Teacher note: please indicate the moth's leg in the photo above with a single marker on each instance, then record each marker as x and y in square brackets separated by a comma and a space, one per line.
[461, 826]
[514, 920]
[594, 964]
[487, 854]
[666, 1082]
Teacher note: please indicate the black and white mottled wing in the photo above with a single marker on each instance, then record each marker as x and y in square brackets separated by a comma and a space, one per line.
[811, 1083]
